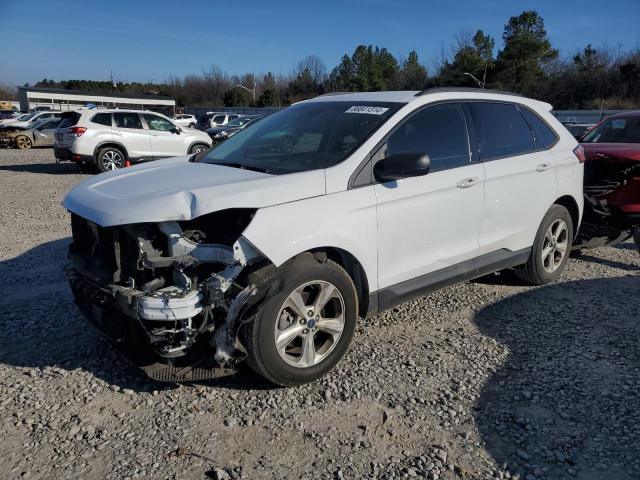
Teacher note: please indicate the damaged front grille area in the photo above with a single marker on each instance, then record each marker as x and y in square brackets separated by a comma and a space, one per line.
[173, 286]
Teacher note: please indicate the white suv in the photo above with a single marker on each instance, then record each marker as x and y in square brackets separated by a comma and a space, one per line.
[107, 138]
[185, 120]
[272, 244]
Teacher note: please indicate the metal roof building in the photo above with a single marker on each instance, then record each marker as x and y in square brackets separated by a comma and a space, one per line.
[66, 100]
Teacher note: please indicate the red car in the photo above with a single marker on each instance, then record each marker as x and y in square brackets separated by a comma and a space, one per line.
[611, 182]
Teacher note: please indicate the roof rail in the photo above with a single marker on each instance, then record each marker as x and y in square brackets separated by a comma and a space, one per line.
[464, 89]
[335, 93]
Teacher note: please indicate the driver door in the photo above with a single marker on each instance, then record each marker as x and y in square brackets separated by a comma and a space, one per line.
[165, 140]
[429, 225]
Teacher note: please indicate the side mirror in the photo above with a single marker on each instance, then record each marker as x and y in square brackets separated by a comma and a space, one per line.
[402, 165]
[175, 130]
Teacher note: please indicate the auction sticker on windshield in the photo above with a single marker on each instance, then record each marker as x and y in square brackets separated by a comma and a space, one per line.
[367, 109]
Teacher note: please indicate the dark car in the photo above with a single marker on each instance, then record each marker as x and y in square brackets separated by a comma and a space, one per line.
[219, 134]
[611, 182]
[579, 130]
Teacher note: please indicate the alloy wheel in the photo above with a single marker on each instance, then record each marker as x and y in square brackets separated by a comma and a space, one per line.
[112, 160]
[23, 142]
[556, 243]
[309, 324]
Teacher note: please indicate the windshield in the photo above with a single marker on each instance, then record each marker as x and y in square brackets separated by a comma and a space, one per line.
[238, 122]
[615, 130]
[28, 116]
[306, 136]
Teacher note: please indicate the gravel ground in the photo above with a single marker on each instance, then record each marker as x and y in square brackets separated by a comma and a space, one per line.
[489, 379]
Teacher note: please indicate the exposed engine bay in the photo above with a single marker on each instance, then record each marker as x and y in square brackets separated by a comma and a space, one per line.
[612, 202]
[171, 294]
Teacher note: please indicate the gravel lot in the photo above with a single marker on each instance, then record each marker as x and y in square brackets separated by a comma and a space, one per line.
[481, 380]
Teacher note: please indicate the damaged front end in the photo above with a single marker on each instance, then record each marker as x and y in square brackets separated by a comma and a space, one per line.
[168, 294]
[612, 200]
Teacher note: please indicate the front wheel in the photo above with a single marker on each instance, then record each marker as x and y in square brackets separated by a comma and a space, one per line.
[23, 142]
[198, 148]
[550, 251]
[304, 324]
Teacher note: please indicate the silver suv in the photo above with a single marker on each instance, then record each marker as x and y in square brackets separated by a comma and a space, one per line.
[110, 138]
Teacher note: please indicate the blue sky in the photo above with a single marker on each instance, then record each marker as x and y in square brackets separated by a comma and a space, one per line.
[150, 40]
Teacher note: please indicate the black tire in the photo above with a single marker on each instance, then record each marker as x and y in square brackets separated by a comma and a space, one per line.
[117, 155]
[192, 125]
[534, 271]
[198, 147]
[258, 333]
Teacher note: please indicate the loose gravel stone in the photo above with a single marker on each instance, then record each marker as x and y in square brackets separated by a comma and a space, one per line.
[489, 379]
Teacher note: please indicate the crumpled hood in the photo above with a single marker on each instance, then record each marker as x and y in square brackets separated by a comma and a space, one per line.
[611, 151]
[176, 189]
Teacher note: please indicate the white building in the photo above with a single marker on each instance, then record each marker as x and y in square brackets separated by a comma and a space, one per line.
[66, 100]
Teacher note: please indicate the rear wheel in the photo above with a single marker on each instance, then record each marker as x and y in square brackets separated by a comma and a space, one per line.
[110, 158]
[304, 323]
[550, 251]
[192, 125]
[23, 142]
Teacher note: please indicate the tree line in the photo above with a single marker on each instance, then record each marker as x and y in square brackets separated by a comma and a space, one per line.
[527, 63]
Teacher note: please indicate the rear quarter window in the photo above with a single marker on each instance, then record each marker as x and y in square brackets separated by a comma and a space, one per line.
[102, 119]
[545, 137]
[501, 130]
[69, 119]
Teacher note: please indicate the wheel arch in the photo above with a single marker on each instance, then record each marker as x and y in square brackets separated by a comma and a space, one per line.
[197, 142]
[356, 271]
[571, 204]
[112, 144]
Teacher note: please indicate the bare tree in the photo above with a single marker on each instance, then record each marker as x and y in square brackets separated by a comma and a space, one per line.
[316, 67]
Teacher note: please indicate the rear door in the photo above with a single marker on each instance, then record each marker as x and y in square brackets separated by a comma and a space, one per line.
[165, 140]
[520, 183]
[128, 130]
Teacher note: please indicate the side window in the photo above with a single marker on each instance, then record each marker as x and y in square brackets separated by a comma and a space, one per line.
[439, 131]
[217, 120]
[545, 137]
[127, 120]
[102, 119]
[154, 122]
[501, 130]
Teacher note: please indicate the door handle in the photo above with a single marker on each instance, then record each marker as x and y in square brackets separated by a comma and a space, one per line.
[468, 182]
[543, 166]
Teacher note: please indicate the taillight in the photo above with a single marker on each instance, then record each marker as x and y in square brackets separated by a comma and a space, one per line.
[78, 131]
[579, 152]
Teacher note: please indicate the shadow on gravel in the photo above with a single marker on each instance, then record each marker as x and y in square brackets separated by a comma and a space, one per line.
[42, 327]
[607, 262]
[566, 403]
[64, 168]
